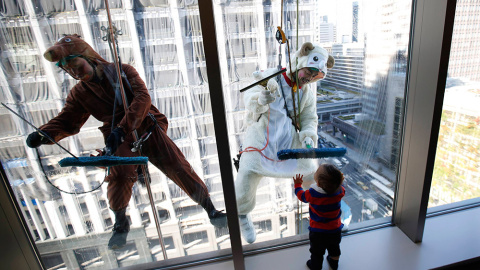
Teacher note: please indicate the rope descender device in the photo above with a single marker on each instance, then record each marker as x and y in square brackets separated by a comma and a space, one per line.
[137, 145]
[280, 36]
[116, 32]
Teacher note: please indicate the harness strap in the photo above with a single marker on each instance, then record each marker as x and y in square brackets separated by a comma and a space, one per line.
[286, 107]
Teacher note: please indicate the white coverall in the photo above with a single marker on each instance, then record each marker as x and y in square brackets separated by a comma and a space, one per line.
[282, 135]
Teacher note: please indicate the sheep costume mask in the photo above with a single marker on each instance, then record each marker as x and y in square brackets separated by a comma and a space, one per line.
[281, 132]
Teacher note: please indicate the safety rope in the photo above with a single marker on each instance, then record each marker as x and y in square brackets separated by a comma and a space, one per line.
[296, 78]
[116, 59]
[280, 36]
[57, 188]
[254, 149]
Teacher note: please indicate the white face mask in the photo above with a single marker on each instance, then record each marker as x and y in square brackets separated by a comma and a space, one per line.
[318, 61]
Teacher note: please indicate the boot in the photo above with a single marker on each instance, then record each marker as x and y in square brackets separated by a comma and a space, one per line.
[247, 228]
[120, 230]
[332, 263]
[217, 218]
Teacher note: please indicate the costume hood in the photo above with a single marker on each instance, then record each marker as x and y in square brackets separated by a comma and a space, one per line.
[312, 56]
[71, 45]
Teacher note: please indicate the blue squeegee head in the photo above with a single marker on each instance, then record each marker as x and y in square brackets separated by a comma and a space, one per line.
[311, 153]
[102, 161]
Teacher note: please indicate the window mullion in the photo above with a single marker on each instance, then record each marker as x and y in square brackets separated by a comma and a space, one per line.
[429, 50]
[207, 20]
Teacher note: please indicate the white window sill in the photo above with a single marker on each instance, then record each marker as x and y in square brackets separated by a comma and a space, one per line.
[447, 239]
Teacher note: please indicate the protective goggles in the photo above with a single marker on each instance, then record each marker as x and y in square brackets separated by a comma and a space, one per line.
[64, 61]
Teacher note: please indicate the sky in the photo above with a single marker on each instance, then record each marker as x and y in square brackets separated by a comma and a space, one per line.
[339, 12]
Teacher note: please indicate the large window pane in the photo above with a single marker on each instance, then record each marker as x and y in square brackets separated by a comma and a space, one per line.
[456, 175]
[163, 41]
[359, 105]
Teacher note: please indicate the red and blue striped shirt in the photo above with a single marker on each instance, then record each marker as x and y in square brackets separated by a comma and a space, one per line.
[324, 208]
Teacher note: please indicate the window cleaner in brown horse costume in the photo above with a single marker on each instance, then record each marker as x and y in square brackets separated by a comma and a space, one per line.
[95, 96]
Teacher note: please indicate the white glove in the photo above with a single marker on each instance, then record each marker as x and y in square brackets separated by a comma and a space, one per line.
[272, 86]
[266, 97]
[307, 143]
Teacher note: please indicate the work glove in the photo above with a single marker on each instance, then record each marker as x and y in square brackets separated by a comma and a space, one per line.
[269, 95]
[272, 86]
[35, 139]
[114, 140]
[266, 97]
[307, 143]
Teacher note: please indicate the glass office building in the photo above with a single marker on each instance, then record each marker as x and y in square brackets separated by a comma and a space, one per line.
[412, 137]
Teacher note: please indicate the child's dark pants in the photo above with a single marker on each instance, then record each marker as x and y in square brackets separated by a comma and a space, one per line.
[319, 242]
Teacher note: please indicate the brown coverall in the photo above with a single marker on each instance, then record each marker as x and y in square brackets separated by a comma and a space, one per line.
[97, 99]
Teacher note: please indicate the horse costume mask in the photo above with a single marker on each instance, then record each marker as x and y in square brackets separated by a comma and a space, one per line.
[71, 45]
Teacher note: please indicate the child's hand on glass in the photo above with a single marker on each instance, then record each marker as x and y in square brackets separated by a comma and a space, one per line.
[298, 179]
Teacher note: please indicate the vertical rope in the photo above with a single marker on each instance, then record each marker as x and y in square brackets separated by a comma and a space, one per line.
[298, 90]
[298, 100]
[292, 89]
[281, 15]
[116, 60]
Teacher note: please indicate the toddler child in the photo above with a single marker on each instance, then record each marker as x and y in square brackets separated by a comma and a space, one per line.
[324, 197]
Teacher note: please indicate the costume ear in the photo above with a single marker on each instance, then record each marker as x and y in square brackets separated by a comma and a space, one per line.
[307, 47]
[330, 61]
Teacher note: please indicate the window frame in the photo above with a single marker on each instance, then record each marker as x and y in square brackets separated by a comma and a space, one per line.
[430, 41]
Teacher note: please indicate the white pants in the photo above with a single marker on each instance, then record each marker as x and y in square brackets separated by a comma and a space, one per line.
[246, 190]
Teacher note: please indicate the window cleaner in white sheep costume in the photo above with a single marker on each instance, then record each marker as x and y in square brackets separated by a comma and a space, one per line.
[271, 127]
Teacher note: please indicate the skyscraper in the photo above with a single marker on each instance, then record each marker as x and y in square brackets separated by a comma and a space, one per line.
[355, 22]
[465, 42]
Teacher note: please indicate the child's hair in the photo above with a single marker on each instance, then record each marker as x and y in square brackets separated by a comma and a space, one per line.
[329, 178]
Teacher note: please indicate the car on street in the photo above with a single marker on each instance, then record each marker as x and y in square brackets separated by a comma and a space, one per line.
[362, 185]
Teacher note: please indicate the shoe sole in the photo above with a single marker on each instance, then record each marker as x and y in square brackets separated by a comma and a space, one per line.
[115, 247]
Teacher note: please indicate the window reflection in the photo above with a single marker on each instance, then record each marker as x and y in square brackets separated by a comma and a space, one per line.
[456, 175]
[359, 106]
[80, 225]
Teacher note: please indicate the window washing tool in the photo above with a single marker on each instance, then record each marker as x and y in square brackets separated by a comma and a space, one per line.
[102, 161]
[99, 161]
[263, 80]
[37, 129]
[311, 153]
